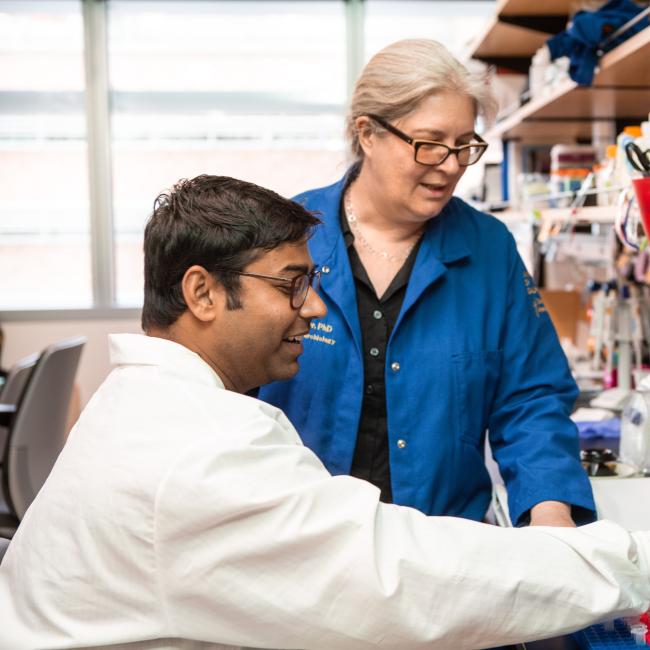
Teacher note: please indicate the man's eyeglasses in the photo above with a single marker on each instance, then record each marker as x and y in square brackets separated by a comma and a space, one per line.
[298, 286]
[428, 152]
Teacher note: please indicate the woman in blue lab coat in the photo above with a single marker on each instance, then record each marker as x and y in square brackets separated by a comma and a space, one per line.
[435, 332]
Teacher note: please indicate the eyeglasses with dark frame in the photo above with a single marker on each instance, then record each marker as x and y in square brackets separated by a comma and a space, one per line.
[429, 152]
[298, 286]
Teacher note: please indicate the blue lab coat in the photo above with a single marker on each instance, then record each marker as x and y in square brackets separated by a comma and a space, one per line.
[475, 350]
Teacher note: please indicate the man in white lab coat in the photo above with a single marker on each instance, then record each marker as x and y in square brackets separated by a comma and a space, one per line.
[183, 513]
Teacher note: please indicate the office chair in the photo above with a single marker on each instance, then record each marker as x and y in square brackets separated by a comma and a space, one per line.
[4, 545]
[36, 433]
[12, 392]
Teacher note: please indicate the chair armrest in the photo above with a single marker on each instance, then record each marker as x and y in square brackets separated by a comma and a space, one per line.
[7, 412]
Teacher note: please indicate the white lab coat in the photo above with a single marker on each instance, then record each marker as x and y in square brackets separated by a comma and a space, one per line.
[180, 513]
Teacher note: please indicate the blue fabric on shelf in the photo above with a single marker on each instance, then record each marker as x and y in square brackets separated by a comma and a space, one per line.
[602, 429]
[587, 30]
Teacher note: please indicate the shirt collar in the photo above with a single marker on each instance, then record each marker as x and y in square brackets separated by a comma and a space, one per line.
[348, 235]
[142, 350]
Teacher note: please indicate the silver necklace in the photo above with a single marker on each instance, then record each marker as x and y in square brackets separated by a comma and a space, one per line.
[354, 225]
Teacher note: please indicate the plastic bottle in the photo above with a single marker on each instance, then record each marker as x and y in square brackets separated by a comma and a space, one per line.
[560, 183]
[624, 339]
[644, 140]
[609, 334]
[638, 633]
[570, 165]
[603, 133]
[645, 128]
[598, 296]
[606, 179]
[623, 167]
[537, 72]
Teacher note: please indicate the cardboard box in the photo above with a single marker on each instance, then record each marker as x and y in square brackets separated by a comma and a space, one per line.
[565, 310]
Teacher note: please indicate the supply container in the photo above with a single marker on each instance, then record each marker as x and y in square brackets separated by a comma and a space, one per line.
[643, 142]
[566, 180]
[605, 178]
[645, 128]
[642, 190]
[532, 186]
[634, 447]
[573, 156]
[623, 167]
[537, 72]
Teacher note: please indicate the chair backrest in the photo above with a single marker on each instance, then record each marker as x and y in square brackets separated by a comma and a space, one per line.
[17, 379]
[37, 432]
[4, 545]
[13, 389]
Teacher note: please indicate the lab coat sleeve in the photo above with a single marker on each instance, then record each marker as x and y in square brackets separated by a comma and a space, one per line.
[260, 546]
[533, 439]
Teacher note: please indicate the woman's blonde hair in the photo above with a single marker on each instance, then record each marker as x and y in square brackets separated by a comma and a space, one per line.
[400, 76]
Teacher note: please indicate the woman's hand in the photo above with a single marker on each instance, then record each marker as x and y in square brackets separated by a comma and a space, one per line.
[551, 513]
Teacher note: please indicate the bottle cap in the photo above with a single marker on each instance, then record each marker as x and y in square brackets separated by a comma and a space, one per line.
[634, 131]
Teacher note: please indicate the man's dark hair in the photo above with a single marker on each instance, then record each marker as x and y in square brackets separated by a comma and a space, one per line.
[212, 221]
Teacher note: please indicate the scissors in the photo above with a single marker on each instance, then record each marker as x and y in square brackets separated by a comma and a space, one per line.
[639, 159]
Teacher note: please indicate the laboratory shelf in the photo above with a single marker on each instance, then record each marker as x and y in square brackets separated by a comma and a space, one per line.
[620, 90]
[501, 41]
[517, 30]
[590, 214]
[526, 7]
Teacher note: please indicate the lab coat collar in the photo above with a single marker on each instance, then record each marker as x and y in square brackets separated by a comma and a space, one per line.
[443, 239]
[443, 243]
[142, 350]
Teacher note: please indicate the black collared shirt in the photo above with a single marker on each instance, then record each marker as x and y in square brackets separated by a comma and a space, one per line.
[377, 317]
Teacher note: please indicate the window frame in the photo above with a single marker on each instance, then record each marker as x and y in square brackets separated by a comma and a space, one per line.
[99, 145]
[98, 120]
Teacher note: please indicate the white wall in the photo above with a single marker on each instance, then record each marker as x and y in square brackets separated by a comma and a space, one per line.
[24, 337]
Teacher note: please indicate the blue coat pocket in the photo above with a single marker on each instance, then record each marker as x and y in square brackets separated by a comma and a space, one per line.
[476, 380]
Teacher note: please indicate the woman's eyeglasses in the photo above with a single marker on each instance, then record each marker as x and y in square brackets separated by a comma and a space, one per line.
[428, 152]
[298, 286]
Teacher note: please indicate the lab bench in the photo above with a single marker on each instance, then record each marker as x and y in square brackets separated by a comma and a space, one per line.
[609, 494]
